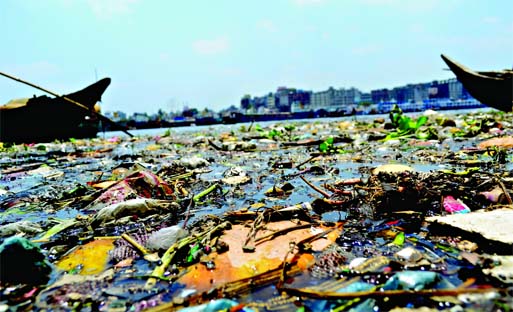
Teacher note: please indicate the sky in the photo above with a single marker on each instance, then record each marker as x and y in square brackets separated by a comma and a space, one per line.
[172, 54]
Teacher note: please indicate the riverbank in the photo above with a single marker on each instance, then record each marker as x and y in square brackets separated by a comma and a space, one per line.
[236, 117]
[234, 126]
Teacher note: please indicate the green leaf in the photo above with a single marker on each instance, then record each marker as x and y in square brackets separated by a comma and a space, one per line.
[326, 145]
[421, 121]
[399, 239]
[290, 127]
[323, 147]
[62, 225]
[192, 253]
[404, 123]
[273, 133]
[423, 135]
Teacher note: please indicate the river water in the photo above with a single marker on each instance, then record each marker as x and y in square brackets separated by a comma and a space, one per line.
[229, 127]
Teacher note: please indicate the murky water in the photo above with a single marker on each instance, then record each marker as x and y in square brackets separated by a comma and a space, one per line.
[46, 181]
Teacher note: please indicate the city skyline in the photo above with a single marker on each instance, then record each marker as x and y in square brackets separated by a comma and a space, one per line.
[414, 92]
[164, 55]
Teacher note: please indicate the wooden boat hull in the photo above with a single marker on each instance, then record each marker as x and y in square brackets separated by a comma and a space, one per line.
[494, 89]
[44, 119]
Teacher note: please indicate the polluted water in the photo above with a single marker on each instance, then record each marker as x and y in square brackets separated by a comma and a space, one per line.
[399, 212]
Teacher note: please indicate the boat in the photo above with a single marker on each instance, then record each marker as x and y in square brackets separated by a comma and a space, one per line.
[492, 88]
[45, 119]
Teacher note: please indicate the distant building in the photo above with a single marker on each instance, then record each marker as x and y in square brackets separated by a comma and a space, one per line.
[351, 96]
[322, 99]
[295, 100]
[140, 117]
[334, 99]
[421, 92]
[283, 99]
[380, 95]
[365, 98]
[301, 101]
[116, 116]
[271, 101]
[438, 90]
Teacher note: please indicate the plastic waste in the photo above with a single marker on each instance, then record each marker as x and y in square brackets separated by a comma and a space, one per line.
[193, 162]
[411, 280]
[453, 205]
[140, 184]
[26, 227]
[139, 207]
[235, 176]
[165, 237]
[216, 305]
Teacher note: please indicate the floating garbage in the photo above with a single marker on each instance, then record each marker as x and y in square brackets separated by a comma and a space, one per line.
[453, 205]
[165, 237]
[139, 207]
[356, 214]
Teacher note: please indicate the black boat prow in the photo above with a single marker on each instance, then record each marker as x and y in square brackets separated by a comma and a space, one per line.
[45, 119]
[92, 94]
[492, 88]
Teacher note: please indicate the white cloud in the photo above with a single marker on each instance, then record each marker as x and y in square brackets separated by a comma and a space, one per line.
[109, 8]
[417, 28]
[211, 46]
[231, 72]
[408, 5]
[308, 2]
[491, 20]
[266, 25]
[366, 49]
[164, 57]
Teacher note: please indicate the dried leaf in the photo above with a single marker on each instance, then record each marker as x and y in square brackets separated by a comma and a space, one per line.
[236, 264]
[506, 142]
[91, 258]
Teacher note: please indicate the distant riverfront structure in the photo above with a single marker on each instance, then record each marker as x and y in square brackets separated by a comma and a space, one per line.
[435, 94]
[292, 103]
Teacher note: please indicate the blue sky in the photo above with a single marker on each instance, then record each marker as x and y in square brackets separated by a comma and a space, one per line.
[207, 54]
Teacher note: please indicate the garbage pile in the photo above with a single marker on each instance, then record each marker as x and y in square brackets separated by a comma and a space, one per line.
[405, 213]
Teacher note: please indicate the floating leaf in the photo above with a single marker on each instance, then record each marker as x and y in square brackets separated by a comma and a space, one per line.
[236, 264]
[91, 258]
[62, 225]
[399, 239]
[153, 147]
[274, 192]
[505, 142]
[326, 145]
[193, 252]
[104, 184]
